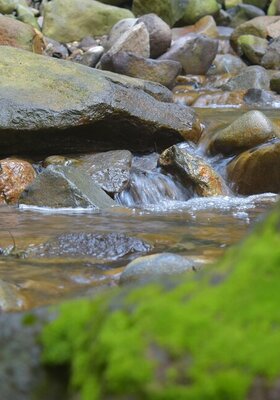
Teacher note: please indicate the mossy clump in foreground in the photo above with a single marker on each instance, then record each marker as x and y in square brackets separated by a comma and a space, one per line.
[209, 338]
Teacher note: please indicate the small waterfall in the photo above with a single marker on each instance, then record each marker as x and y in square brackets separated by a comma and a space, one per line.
[152, 187]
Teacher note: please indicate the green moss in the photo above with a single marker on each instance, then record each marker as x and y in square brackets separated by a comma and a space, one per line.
[207, 338]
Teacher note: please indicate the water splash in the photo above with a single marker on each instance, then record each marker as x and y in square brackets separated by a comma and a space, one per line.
[152, 187]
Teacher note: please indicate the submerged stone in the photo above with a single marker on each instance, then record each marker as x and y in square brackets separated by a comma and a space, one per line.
[104, 246]
[155, 266]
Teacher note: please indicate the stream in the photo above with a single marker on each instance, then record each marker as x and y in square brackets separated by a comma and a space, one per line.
[155, 208]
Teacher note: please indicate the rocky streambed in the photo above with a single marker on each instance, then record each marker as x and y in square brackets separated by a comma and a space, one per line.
[130, 148]
[139, 140]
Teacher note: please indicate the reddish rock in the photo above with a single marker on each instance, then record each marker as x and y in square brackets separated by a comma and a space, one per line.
[15, 176]
[17, 34]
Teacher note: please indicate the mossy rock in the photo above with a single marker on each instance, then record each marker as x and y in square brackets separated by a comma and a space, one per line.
[80, 19]
[196, 9]
[213, 337]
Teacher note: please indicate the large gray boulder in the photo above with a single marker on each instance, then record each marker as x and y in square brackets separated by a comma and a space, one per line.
[56, 106]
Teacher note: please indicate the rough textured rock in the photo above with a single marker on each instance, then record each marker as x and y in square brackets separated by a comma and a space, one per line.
[274, 8]
[226, 63]
[193, 170]
[263, 98]
[79, 19]
[17, 34]
[259, 26]
[110, 170]
[65, 187]
[249, 130]
[119, 29]
[253, 48]
[71, 108]
[135, 39]
[271, 58]
[160, 71]
[243, 13]
[169, 10]
[15, 176]
[275, 82]
[196, 9]
[257, 170]
[159, 34]
[155, 266]
[254, 77]
[205, 26]
[195, 52]
[109, 246]
[26, 15]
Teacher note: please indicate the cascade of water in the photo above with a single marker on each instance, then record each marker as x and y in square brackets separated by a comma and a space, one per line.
[152, 187]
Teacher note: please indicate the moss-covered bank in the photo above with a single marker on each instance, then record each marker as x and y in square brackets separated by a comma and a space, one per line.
[212, 337]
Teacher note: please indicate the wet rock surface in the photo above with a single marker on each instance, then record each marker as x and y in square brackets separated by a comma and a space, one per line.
[110, 170]
[193, 169]
[256, 170]
[59, 186]
[15, 176]
[156, 266]
[246, 132]
[85, 110]
[106, 246]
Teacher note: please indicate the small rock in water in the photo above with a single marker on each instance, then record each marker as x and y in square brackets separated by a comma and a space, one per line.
[155, 266]
[251, 129]
[60, 187]
[15, 176]
[256, 170]
[106, 246]
[193, 169]
[110, 170]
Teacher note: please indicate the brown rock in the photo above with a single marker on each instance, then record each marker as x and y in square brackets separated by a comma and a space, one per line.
[135, 40]
[193, 169]
[17, 34]
[210, 99]
[159, 33]
[15, 176]
[249, 130]
[257, 170]
[160, 71]
[259, 26]
[195, 53]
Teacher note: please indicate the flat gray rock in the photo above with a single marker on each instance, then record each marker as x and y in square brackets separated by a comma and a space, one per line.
[60, 187]
[55, 106]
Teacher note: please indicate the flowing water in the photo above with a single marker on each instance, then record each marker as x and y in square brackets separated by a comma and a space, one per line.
[155, 207]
